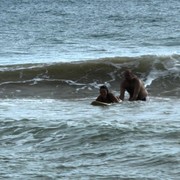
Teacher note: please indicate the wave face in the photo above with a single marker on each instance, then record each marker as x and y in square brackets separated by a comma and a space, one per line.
[161, 75]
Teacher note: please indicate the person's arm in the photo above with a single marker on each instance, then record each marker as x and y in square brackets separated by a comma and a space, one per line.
[137, 88]
[99, 98]
[122, 91]
[114, 99]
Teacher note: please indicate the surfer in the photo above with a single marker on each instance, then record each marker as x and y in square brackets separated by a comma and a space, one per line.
[106, 96]
[134, 86]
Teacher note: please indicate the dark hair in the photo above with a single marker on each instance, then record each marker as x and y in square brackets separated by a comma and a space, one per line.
[104, 87]
[128, 71]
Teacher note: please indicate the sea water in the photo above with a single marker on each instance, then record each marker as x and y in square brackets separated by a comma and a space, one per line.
[68, 30]
[54, 55]
[55, 139]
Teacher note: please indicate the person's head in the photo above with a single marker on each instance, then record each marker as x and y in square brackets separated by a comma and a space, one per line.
[103, 91]
[128, 74]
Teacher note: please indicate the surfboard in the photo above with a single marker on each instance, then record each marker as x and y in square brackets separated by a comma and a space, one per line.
[99, 103]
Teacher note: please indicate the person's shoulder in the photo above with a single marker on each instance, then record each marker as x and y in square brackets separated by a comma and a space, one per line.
[111, 94]
[124, 83]
[137, 79]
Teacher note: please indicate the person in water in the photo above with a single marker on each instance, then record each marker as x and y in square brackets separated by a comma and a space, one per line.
[134, 86]
[106, 96]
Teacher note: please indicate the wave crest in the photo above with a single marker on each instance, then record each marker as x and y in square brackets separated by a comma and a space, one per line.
[161, 75]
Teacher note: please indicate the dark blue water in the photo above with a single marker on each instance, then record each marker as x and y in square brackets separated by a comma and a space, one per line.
[56, 31]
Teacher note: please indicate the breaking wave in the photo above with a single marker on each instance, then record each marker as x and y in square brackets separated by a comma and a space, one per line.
[161, 75]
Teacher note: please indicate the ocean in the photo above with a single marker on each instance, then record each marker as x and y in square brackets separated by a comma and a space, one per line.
[54, 56]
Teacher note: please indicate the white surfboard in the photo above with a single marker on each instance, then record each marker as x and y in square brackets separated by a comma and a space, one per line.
[99, 103]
